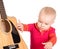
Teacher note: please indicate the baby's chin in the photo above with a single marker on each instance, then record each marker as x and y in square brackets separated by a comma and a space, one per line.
[44, 29]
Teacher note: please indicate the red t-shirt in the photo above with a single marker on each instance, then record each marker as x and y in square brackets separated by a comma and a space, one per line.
[37, 37]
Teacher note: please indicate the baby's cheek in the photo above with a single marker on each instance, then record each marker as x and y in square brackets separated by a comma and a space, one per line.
[39, 24]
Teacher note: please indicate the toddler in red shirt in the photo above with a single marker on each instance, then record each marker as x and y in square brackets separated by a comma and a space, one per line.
[43, 35]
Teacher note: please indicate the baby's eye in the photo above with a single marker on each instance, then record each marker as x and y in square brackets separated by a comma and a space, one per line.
[40, 21]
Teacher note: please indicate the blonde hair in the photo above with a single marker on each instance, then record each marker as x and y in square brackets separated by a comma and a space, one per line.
[48, 11]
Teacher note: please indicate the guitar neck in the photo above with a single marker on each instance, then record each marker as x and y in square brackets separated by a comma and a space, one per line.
[2, 10]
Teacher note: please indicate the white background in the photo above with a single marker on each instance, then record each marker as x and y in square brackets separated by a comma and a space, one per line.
[27, 12]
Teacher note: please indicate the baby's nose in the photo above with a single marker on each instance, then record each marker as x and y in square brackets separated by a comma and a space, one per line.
[42, 24]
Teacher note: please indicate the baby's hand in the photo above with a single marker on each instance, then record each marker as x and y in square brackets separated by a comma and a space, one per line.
[20, 26]
[48, 45]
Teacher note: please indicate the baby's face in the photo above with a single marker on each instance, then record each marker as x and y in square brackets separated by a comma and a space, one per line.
[45, 21]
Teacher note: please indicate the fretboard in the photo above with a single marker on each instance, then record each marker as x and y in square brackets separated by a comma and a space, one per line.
[2, 10]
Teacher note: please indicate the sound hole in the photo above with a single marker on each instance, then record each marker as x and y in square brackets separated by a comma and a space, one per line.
[5, 26]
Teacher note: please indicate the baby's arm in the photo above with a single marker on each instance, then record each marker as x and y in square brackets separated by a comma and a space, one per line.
[22, 27]
[52, 40]
[50, 43]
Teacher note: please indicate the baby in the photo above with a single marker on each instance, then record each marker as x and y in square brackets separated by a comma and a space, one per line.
[43, 35]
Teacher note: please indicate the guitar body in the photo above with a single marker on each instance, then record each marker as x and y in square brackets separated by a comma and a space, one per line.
[9, 35]
[22, 44]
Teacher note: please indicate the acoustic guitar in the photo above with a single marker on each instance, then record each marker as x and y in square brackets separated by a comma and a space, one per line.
[9, 35]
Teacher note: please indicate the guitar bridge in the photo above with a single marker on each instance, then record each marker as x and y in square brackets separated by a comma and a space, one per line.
[11, 46]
